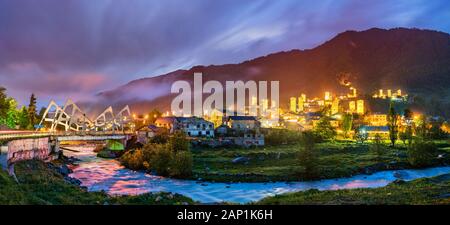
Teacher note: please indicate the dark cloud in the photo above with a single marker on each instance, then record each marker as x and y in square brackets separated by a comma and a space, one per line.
[75, 48]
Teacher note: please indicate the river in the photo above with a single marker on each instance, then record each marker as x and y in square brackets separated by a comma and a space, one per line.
[107, 174]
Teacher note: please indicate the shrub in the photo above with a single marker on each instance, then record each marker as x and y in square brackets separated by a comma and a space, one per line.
[281, 136]
[133, 160]
[182, 164]
[179, 142]
[160, 159]
[172, 158]
[308, 156]
[421, 153]
[160, 137]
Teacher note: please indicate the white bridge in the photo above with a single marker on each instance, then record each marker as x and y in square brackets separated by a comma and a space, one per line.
[92, 138]
[71, 118]
[60, 124]
[63, 136]
[19, 146]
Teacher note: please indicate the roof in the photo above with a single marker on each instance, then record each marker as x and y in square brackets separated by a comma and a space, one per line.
[314, 114]
[241, 118]
[151, 127]
[375, 128]
[169, 119]
[172, 119]
[192, 119]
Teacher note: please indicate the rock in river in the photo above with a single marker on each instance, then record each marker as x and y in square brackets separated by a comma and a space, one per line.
[64, 170]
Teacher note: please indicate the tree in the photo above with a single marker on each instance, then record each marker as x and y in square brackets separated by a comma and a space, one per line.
[32, 112]
[361, 137]
[4, 105]
[12, 114]
[308, 156]
[377, 147]
[347, 123]
[421, 127]
[22, 119]
[403, 137]
[392, 124]
[324, 129]
[435, 131]
[153, 116]
[407, 114]
[408, 133]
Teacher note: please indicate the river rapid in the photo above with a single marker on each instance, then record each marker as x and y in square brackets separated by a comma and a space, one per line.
[108, 175]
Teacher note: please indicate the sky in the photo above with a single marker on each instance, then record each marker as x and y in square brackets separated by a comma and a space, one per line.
[77, 48]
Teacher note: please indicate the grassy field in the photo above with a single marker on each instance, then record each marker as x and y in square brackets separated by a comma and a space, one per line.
[40, 185]
[431, 191]
[280, 163]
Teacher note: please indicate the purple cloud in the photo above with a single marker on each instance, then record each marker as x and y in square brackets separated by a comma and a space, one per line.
[76, 48]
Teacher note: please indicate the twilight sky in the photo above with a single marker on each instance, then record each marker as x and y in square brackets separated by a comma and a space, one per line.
[59, 49]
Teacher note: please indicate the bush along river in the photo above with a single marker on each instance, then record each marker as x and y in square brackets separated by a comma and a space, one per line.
[98, 174]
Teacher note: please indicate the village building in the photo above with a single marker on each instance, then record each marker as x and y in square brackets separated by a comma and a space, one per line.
[376, 119]
[192, 126]
[146, 132]
[170, 123]
[249, 140]
[215, 116]
[243, 123]
[222, 130]
[372, 131]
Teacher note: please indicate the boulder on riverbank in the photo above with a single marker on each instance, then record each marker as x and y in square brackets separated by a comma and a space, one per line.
[109, 154]
[72, 180]
[62, 169]
[113, 149]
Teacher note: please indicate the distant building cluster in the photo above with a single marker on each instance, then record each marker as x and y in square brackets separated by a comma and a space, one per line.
[302, 114]
[337, 104]
[389, 94]
[305, 113]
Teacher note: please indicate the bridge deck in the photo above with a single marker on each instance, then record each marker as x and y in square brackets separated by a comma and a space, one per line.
[11, 135]
[91, 138]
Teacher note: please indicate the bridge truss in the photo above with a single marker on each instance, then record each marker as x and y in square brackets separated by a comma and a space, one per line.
[71, 118]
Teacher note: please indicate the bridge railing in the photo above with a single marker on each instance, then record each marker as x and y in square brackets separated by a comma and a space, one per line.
[17, 135]
[8, 135]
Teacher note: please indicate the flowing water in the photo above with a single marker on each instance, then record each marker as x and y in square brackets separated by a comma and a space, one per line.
[107, 174]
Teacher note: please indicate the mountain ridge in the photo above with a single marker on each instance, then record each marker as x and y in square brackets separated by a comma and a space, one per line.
[411, 59]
